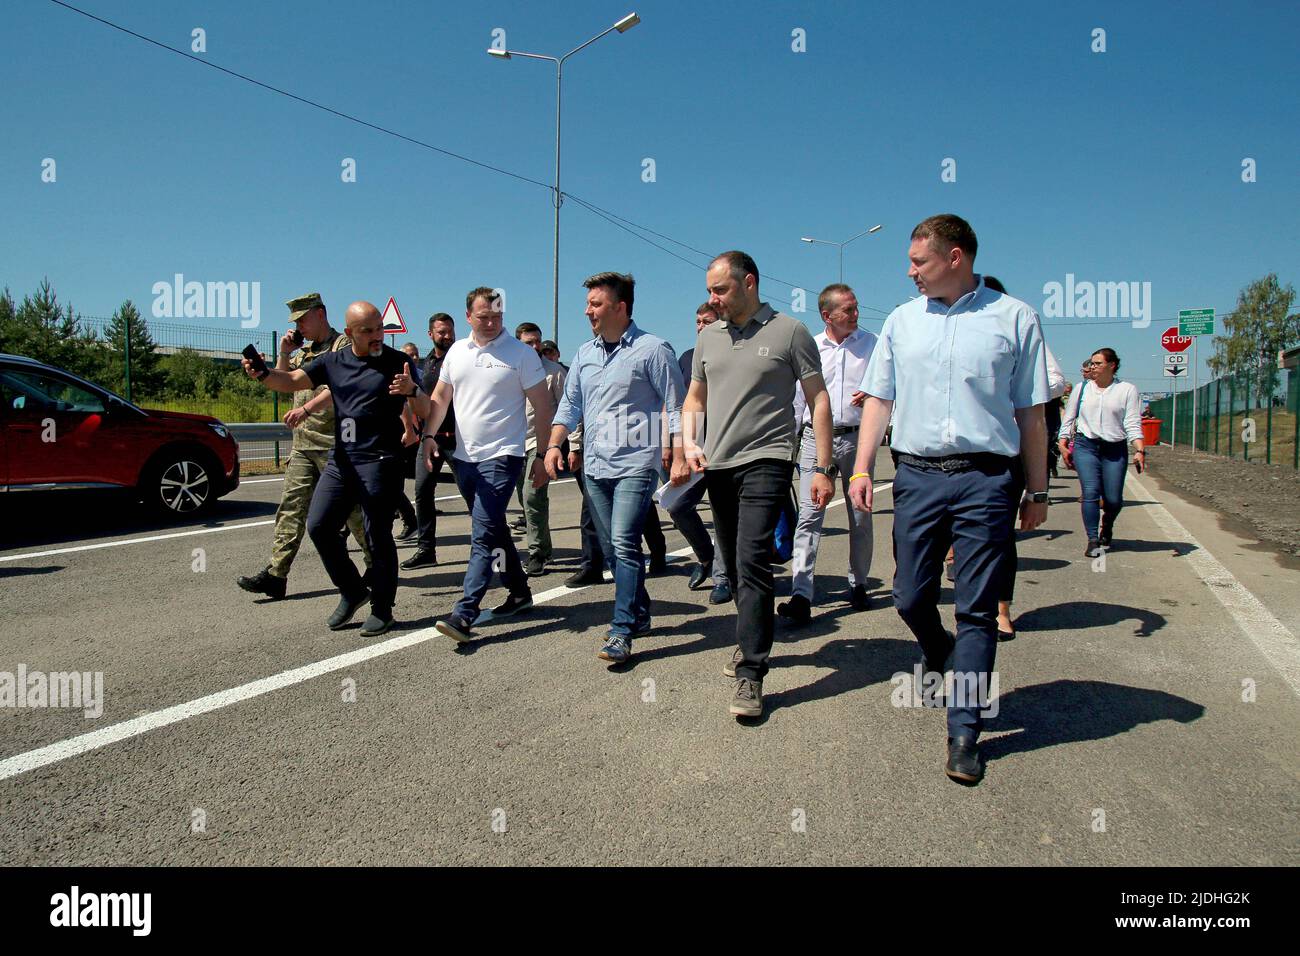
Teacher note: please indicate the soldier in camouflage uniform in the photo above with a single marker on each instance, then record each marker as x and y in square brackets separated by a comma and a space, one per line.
[312, 421]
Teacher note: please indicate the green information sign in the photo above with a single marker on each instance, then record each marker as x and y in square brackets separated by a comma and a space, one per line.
[1196, 322]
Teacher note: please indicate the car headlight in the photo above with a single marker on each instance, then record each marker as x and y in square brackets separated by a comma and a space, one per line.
[221, 430]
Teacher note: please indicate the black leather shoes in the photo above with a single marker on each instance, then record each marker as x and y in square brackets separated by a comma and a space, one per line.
[264, 582]
[346, 610]
[964, 760]
[583, 577]
[699, 574]
[858, 597]
[797, 610]
[376, 625]
[421, 559]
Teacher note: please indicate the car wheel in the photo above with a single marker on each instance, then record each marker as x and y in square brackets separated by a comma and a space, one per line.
[180, 485]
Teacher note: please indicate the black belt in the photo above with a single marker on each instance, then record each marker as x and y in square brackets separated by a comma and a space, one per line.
[836, 432]
[951, 463]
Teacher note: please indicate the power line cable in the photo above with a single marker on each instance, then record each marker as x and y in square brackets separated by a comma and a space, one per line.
[304, 100]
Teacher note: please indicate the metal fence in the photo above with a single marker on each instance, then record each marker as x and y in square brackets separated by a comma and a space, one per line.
[1252, 416]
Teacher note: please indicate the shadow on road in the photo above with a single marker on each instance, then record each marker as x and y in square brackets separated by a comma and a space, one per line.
[1070, 711]
[61, 517]
[1076, 615]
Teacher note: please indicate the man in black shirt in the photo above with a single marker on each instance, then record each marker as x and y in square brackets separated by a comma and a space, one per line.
[442, 332]
[365, 466]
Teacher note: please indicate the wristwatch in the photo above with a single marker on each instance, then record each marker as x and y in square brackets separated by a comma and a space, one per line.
[830, 471]
[1037, 497]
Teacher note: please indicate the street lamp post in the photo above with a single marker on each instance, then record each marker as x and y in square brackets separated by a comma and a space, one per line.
[623, 25]
[827, 242]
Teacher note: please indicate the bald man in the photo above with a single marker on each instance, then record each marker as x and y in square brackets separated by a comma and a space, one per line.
[369, 382]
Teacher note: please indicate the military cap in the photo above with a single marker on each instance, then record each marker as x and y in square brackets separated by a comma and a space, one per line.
[303, 304]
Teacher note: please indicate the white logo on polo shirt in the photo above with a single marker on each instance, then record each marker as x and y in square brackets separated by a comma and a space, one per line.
[763, 350]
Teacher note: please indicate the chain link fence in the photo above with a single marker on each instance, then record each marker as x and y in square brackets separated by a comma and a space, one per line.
[1251, 416]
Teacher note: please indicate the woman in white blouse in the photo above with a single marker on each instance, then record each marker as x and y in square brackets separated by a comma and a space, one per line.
[1103, 416]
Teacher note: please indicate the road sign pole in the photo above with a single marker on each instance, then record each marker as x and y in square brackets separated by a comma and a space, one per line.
[1195, 380]
[1173, 434]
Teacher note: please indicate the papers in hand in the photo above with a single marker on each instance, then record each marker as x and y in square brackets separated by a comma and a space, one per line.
[668, 495]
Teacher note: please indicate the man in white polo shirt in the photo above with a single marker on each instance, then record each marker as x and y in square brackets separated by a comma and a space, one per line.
[490, 375]
[845, 351]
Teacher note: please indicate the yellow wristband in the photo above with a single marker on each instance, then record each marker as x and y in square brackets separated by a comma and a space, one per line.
[861, 474]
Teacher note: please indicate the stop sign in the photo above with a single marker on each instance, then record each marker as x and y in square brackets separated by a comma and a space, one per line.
[1173, 342]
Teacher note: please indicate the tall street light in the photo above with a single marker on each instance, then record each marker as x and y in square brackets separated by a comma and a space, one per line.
[627, 23]
[827, 242]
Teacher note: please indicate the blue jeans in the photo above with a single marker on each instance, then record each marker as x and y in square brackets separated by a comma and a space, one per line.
[487, 487]
[618, 508]
[1100, 466]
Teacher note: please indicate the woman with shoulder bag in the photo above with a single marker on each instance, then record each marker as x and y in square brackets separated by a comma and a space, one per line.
[1104, 416]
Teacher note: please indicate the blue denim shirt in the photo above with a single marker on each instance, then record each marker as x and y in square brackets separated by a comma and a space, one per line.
[619, 397]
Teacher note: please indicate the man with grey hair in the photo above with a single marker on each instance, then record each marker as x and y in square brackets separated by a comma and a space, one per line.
[845, 351]
[743, 379]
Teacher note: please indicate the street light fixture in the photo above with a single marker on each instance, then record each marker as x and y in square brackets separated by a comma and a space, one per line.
[827, 242]
[622, 26]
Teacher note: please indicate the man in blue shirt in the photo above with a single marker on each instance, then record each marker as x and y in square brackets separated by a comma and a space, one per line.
[964, 371]
[620, 383]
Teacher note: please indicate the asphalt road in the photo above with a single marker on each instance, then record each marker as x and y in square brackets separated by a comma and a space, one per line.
[1123, 736]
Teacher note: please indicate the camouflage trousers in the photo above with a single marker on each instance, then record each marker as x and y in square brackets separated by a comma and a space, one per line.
[301, 473]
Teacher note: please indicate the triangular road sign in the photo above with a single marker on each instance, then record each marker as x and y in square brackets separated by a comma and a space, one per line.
[393, 323]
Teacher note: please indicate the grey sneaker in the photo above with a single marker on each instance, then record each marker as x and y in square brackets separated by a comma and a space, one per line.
[729, 669]
[747, 701]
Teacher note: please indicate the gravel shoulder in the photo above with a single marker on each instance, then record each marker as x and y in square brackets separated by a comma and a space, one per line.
[1266, 498]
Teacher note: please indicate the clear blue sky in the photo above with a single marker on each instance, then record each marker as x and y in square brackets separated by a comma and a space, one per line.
[1115, 166]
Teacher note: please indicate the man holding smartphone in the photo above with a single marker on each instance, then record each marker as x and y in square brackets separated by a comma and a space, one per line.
[312, 421]
[368, 383]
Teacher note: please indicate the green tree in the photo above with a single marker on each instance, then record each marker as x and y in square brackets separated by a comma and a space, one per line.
[1256, 330]
[43, 329]
[148, 378]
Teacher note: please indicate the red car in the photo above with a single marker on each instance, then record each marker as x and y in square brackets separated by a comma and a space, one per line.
[60, 431]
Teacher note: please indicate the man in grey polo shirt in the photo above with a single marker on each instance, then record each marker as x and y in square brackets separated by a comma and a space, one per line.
[742, 381]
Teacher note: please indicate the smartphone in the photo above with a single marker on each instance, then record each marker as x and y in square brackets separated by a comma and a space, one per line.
[296, 336]
[255, 359]
[1137, 463]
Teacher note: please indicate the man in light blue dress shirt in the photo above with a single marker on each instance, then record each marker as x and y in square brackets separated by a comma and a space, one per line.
[964, 371]
[619, 385]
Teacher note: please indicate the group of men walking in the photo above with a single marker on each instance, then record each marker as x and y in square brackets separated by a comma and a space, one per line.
[961, 370]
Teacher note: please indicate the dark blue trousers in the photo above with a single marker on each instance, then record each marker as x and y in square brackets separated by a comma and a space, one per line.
[487, 487]
[970, 511]
[375, 486]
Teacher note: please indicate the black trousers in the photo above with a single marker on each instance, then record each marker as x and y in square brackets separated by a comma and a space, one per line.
[746, 503]
[971, 512]
[426, 489]
[375, 486]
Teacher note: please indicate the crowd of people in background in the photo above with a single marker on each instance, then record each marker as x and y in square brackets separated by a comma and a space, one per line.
[976, 409]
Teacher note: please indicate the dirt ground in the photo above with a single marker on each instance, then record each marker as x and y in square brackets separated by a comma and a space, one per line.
[1265, 497]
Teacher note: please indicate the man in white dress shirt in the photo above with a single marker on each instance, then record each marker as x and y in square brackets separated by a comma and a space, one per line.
[845, 351]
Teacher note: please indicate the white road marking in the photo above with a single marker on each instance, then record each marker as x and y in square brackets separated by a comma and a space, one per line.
[181, 534]
[118, 544]
[1278, 645]
[84, 743]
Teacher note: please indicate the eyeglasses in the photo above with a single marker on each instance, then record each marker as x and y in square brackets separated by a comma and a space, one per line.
[1091, 364]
